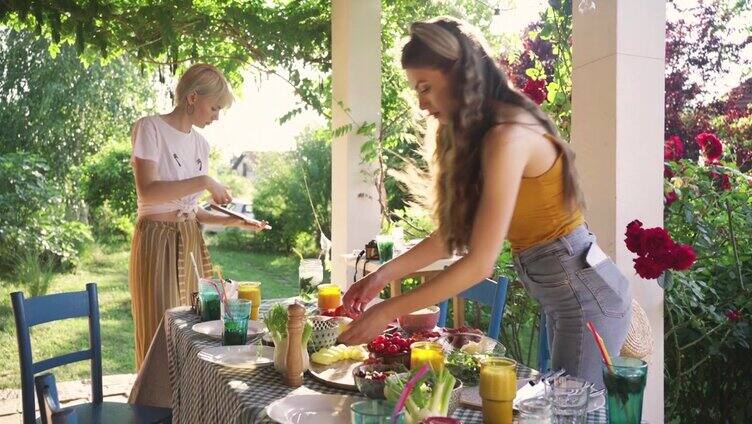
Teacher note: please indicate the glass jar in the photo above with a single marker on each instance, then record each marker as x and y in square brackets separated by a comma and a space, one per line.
[330, 297]
[535, 411]
[310, 275]
[426, 352]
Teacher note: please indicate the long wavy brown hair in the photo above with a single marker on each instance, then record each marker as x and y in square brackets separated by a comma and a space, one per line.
[460, 51]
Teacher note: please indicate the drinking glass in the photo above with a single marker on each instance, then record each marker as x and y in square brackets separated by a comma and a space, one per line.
[235, 321]
[329, 297]
[385, 244]
[208, 299]
[251, 291]
[498, 388]
[569, 397]
[535, 410]
[426, 352]
[373, 412]
[625, 386]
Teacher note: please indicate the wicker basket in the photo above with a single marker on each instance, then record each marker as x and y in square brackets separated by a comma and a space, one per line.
[639, 342]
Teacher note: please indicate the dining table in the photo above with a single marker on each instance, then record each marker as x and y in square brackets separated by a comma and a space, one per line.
[205, 392]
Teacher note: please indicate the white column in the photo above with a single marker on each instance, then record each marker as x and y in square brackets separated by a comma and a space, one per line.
[356, 82]
[617, 133]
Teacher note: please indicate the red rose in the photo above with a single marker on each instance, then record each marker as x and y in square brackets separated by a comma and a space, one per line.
[722, 181]
[734, 315]
[684, 257]
[536, 90]
[656, 241]
[634, 225]
[711, 146]
[634, 237]
[670, 198]
[673, 148]
[648, 268]
[667, 172]
[664, 256]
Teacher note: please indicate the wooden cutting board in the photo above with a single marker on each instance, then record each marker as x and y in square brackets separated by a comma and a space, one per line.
[338, 374]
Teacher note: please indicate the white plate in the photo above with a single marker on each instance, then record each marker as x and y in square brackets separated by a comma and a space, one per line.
[338, 374]
[312, 409]
[248, 356]
[215, 328]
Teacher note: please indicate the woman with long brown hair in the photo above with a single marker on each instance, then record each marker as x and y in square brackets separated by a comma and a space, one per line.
[501, 172]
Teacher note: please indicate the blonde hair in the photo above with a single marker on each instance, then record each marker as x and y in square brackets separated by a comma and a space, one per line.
[458, 50]
[205, 80]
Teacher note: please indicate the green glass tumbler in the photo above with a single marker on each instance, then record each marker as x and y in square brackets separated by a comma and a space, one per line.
[385, 244]
[235, 322]
[625, 385]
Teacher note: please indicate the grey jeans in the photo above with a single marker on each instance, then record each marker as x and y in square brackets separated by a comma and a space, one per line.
[571, 293]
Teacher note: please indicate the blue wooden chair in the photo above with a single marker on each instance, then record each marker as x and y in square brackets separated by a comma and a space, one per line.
[43, 309]
[487, 292]
[544, 356]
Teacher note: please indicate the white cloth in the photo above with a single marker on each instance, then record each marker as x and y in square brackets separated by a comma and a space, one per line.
[178, 156]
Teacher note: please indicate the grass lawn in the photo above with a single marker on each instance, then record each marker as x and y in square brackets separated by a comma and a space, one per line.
[109, 269]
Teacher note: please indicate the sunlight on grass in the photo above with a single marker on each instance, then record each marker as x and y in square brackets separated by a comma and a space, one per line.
[108, 267]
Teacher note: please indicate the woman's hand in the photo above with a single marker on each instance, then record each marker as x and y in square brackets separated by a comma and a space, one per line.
[359, 294]
[368, 326]
[219, 192]
[251, 224]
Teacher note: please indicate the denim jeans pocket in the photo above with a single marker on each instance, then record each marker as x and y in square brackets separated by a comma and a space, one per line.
[608, 286]
[546, 279]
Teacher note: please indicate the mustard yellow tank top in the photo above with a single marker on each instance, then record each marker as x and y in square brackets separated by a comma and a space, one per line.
[540, 214]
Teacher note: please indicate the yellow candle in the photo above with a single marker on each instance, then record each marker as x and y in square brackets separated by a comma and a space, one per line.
[330, 297]
[426, 352]
[251, 291]
[498, 387]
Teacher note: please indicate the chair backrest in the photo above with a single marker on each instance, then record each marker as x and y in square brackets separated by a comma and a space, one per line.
[544, 355]
[487, 292]
[55, 307]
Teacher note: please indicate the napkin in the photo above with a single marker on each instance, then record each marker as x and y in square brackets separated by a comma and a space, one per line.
[528, 392]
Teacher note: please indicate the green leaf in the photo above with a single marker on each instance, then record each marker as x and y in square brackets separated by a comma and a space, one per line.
[666, 280]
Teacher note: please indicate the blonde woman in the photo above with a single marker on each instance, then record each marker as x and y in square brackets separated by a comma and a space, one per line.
[170, 162]
[501, 173]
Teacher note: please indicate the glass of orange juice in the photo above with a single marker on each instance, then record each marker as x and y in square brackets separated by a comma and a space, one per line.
[426, 352]
[330, 297]
[498, 387]
[251, 291]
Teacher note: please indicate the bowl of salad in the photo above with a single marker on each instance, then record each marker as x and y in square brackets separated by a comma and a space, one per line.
[464, 351]
[371, 379]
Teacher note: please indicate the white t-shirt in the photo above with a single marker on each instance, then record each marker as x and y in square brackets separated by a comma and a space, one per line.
[178, 156]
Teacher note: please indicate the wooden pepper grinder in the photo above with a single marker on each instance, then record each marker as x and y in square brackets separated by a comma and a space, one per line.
[293, 375]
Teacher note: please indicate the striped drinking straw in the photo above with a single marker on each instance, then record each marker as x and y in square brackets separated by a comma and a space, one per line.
[601, 346]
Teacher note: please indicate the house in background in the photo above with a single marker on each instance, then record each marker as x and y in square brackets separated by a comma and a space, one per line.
[246, 164]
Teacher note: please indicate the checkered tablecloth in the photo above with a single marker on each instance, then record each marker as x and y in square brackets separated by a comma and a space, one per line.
[205, 393]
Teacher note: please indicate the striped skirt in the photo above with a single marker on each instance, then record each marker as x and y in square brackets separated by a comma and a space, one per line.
[161, 274]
